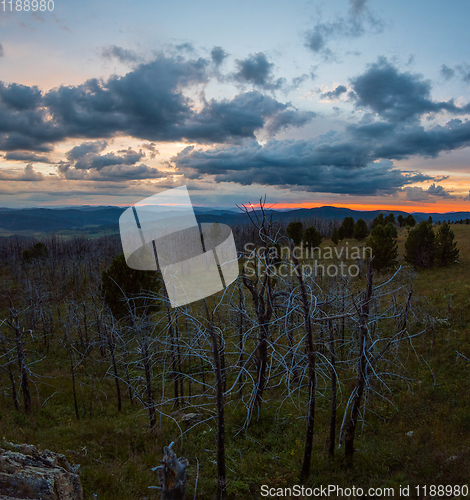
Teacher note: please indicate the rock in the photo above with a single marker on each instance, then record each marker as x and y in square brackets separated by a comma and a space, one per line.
[27, 474]
[192, 418]
[409, 434]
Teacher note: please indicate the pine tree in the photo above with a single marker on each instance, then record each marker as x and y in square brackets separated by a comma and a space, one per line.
[378, 221]
[295, 232]
[410, 221]
[335, 236]
[360, 230]
[121, 281]
[420, 246]
[446, 249]
[312, 237]
[348, 227]
[383, 242]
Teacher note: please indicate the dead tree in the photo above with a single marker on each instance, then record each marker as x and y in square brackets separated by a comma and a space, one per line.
[261, 289]
[217, 352]
[369, 355]
[172, 475]
[361, 369]
[14, 325]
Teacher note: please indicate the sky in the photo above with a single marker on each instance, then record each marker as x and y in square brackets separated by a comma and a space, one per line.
[351, 103]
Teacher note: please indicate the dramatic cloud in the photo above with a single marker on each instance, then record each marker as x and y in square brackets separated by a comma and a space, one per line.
[419, 194]
[356, 161]
[86, 163]
[85, 148]
[358, 21]
[323, 165]
[116, 173]
[334, 94]
[397, 96]
[148, 103]
[218, 55]
[26, 156]
[28, 175]
[257, 70]
[122, 55]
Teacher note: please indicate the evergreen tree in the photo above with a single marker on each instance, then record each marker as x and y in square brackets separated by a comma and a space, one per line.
[410, 221]
[401, 220]
[312, 238]
[390, 218]
[335, 236]
[420, 246]
[348, 227]
[378, 221]
[446, 249]
[360, 230]
[295, 232]
[341, 233]
[120, 280]
[39, 251]
[383, 242]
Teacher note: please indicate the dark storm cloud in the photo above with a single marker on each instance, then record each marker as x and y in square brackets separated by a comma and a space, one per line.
[86, 163]
[148, 102]
[446, 72]
[218, 55]
[242, 116]
[358, 21]
[26, 156]
[24, 123]
[397, 96]
[356, 161]
[122, 55]
[317, 166]
[84, 148]
[20, 97]
[334, 94]
[257, 70]
[97, 162]
[115, 173]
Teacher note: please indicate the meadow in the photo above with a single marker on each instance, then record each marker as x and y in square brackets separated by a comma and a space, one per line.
[414, 423]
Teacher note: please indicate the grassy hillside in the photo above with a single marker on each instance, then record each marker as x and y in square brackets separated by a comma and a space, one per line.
[415, 433]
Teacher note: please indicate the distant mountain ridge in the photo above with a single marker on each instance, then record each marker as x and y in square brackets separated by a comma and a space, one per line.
[84, 218]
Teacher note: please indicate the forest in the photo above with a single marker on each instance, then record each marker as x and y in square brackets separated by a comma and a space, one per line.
[287, 377]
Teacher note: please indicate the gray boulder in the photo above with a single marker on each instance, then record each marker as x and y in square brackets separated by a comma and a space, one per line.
[27, 474]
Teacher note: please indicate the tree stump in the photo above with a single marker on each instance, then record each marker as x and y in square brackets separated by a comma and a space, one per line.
[172, 475]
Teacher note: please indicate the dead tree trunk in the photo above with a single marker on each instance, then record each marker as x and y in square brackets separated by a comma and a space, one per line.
[311, 371]
[15, 327]
[361, 370]
[172, 475]
[331, 448]
[112, 348]
[144, 348]
[12, 378]
[217, 350]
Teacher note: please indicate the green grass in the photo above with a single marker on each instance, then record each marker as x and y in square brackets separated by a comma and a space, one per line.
[116, 451]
